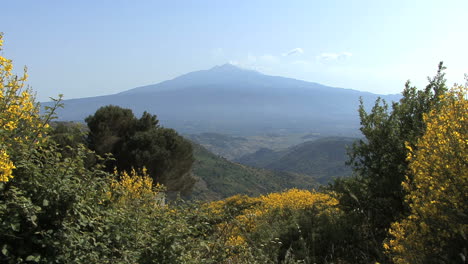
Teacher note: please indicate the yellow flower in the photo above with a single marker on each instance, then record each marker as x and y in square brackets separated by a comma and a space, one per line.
[21, 126]
[436, 194]
[6, 166]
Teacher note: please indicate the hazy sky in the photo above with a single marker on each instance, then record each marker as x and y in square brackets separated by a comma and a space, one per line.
[88, 48]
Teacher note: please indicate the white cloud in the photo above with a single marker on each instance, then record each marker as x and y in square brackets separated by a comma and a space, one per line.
[334, 56]
[293, 51]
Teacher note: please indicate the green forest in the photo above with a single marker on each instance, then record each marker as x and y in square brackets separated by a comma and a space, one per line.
[117, 189]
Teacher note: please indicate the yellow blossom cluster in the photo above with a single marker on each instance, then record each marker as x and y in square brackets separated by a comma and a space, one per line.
[297, 199]
[20, 123]
[236, 208]
[135, 187]
[254, 211]
[437, 194]
[6, 166]
[294, 199]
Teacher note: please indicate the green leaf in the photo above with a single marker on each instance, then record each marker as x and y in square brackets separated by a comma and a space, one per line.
[34, 258]
[5, 250]
[33, 218]
[15, 227]
[45, 203]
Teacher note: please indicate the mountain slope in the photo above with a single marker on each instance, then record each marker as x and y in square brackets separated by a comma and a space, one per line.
[228, 99]
[322, 159]
[219, 178]
[233, 147]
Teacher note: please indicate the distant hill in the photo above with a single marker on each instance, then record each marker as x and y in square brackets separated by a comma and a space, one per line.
[219, 178]
[231, 100]
[262, 158]
[223, 145]
[233, 147]
[322, 159]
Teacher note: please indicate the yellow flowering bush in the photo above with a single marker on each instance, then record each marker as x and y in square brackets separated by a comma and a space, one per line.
[297, 200]
[134, 187]
[253, 212]
[435, 231]
[20, 123]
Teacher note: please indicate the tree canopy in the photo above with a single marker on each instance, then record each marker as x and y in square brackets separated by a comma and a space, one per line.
[141, 142]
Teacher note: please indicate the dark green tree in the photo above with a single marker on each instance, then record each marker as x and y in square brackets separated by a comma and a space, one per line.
[68, 134]
[109, 127]
[137, 143]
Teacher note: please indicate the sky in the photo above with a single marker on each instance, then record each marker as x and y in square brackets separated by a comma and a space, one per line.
[89, 48]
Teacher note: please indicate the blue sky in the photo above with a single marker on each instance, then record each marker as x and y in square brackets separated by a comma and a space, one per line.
[88, 48]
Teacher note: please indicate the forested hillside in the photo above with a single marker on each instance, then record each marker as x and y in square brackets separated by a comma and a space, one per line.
[219, 178]
[323, 159]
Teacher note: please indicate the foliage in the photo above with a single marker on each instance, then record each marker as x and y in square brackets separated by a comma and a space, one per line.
[6, 166]
[20, 125]
[58, 207]
[270, 223]
[132, 187]
[142, 143]
[435, 230]
[374, 198]
[68, 134]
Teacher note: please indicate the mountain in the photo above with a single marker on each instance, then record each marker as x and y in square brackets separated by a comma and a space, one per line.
[322, 159]
[229, 99]
[219, 178]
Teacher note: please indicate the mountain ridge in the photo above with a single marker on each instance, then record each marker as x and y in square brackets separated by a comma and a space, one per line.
[229, 68]
[322, 159]
[228, 99]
